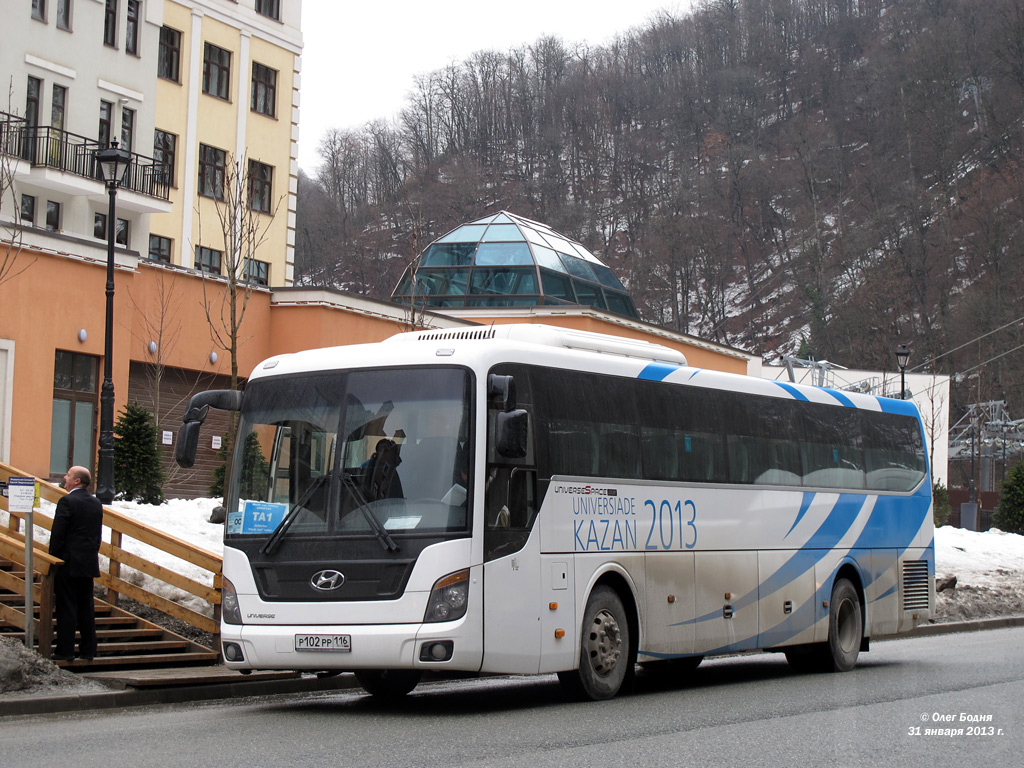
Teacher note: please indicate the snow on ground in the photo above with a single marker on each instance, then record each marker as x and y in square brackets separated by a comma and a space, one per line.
[979, 559]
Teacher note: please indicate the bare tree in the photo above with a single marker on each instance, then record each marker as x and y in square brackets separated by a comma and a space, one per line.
[161, 327]
[244, 216]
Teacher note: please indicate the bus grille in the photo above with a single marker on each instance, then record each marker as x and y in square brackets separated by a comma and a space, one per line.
[915, 585]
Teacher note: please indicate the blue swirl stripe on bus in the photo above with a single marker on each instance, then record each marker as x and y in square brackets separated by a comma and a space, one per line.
[796, 393]
[661, 371]
[806, 558]
[893, 519]
[838, 523]
[804, 506]
[657, 371]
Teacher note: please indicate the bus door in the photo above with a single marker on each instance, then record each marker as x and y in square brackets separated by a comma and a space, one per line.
[513, 598]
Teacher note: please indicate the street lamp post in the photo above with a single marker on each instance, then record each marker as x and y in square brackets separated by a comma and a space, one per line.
[113, 162]
[902, 358]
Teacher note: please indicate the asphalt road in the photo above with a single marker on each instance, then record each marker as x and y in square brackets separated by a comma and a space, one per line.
[903, 705]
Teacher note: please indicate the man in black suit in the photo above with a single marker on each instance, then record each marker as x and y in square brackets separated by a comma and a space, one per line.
[75, 539]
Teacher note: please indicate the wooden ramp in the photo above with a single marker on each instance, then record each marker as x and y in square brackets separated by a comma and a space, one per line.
[126, 640]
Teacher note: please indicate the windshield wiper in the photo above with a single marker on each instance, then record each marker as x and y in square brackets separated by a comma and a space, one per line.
[275, 538]
[350, 484]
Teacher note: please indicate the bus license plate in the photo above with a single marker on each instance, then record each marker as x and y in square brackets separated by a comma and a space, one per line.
[338, 643]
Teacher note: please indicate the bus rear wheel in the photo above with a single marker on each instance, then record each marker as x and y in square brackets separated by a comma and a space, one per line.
[388, 683]
[845, 633]
[845, 627]
[606, 654]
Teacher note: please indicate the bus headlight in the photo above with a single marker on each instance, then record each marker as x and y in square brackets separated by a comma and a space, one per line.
[449, 598]
[229, 609]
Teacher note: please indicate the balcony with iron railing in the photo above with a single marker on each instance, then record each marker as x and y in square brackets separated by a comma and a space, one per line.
[44, 147]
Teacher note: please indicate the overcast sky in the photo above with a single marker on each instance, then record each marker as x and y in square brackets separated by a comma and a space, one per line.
[359, 59]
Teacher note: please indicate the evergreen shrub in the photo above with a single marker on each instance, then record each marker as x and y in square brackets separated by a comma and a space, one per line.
[138, 475]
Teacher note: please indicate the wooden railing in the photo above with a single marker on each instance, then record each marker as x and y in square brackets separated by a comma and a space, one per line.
[12, 548]
[121, 528]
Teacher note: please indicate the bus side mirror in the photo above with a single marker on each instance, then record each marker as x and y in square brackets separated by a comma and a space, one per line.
[510, 433]
[188, 442]
[502, 389]
[195, 415]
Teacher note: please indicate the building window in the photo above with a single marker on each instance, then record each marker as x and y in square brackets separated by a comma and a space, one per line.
[127, 128]
[261, 182]
[35, 87]
[28, 210]
[169, 55]
[106, 116]
[264, 90]
[207, 259]
[75, 397]
[212, 162]
[269, 8]
[39, 10]
[160, 248]
[32, 94]
[164, 148]
[216, 71]
[110, 23]
[131, 30]
[99, 229]
[64, 14]
[57, 104]
[256, 272]
[52, 216]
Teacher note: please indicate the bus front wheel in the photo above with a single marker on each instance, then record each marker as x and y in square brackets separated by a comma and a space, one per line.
[606, 655]
[388, 683]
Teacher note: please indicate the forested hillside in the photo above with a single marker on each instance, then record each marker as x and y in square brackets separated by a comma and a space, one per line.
[822, 177]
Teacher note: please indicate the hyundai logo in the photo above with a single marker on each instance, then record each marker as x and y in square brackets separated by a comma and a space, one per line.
[325, 581]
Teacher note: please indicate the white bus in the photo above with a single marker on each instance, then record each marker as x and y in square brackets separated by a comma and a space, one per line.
[529, 499]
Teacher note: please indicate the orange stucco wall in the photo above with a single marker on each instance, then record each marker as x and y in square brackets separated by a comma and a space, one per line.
[309, 327]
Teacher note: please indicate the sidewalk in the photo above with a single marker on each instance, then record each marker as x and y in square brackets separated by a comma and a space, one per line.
[177, 685]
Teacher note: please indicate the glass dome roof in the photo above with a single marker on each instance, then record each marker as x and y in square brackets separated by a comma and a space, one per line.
[505, 260]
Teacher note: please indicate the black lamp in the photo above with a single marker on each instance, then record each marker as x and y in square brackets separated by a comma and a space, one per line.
[902, 358]
[113, 162]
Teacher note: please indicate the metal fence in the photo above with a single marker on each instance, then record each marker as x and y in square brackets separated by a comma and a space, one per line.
[43, 146]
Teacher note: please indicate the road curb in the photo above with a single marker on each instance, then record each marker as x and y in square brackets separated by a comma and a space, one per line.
[84, 701]
[21, 705]
[953, 627]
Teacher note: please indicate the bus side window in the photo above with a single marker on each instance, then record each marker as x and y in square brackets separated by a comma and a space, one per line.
[509, 509]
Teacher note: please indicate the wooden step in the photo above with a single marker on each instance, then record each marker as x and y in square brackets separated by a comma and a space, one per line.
[141, 660]
[126, 641]
[148, 646]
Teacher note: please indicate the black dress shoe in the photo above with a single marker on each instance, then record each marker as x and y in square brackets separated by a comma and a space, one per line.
[59, 657]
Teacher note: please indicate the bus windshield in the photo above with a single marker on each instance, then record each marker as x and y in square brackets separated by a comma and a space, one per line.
[374, 453]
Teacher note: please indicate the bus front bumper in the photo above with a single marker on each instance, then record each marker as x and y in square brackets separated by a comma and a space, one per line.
[450, 646]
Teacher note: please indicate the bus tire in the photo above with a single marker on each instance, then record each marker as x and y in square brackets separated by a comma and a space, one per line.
[606, 654]
[845, 631]
[845, 627]
[388, 683]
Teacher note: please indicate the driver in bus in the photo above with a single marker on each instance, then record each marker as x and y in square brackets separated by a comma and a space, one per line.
[381, 471]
